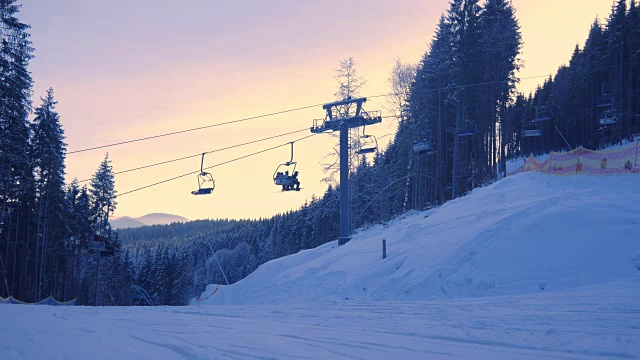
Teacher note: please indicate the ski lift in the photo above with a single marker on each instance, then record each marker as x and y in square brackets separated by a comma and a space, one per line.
[423, 146]
[368, 143]
[97, 243]
[101, 246]
[605, 101]
[532, 129]
[206, 183]
[467, 128]
[543, 115]
[608, 120]
[288, 181]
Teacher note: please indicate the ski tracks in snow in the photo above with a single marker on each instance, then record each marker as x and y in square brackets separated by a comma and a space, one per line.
[596, 322]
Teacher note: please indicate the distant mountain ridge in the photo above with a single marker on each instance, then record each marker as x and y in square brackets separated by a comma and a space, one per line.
[146, 220]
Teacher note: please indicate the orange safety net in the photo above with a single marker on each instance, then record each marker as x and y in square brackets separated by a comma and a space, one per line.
[585, 161]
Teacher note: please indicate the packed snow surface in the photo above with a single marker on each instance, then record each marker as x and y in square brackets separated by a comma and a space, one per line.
[531, 267]
[596, 322]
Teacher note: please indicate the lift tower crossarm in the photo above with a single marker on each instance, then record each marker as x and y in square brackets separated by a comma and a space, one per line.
[335, 123]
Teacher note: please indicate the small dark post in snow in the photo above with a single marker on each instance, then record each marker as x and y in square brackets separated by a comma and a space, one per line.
[384, 248]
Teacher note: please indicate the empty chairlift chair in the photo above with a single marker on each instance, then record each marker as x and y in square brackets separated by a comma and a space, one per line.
[532, 129]
[542, 114]
[605, 101]
[609, 118]
[422, 147]
[467, 128]
[206, 182]
[368, 143]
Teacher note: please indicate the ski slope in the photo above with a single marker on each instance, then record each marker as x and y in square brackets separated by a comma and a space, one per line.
[596, 322]
[531, 267]
[525, 234]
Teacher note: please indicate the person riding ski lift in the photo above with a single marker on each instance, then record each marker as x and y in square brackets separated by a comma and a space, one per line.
[296, 182]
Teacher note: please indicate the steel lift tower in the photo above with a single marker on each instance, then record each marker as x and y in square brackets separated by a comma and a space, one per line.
[339, 118]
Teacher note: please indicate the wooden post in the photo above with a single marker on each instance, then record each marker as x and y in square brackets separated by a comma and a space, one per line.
[384, 248]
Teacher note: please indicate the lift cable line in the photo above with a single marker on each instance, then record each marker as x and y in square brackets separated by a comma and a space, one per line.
[200, 154]
[304, 108]
[212, 166]
[194, 129]
[217, 150]
[278, 113]
[454, 87]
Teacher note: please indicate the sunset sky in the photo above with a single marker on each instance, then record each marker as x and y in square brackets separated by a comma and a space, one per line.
[128, 69]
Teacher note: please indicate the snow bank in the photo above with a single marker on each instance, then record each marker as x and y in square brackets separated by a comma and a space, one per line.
[524, 234]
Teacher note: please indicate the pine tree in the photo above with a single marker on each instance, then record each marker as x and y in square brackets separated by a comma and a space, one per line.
[464, 18]
[501, 42]
[633, 26]
[617, 55]
[16, 176]
[104, 196]
[48, 157]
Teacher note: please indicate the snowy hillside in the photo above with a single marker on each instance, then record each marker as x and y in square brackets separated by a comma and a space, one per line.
[528, 233]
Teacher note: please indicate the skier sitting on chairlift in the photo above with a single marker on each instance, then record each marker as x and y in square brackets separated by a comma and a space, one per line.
[296, 182]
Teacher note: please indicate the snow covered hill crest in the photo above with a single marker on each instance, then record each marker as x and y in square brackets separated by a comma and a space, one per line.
[527, 233]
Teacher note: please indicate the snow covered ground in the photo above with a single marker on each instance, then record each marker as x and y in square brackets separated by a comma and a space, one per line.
[596, 322]
[533, 266]
[527, 233]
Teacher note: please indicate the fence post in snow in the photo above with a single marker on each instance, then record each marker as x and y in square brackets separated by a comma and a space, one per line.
[384, 248]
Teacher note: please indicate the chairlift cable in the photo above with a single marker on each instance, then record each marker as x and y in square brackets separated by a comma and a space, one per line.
[200, 154]
[194, 129]
[292, 110]
[212, 166]
[460, 86]
[276, 113]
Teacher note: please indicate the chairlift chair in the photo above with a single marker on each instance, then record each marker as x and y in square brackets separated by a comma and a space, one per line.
[288, 181]
[541, 115]
[532, 129]
[605, 101]
[541, 118]
[467, 128]
[206, 182]
[101, 246]
[108, 249]
[608, 121]
[423, 146]
[368, 143]
[609, 118]
[97, 243]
